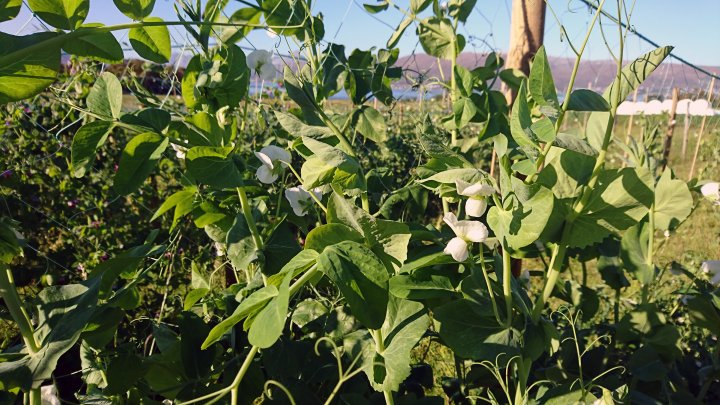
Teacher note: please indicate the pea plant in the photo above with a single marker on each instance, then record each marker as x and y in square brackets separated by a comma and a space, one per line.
[328, 285]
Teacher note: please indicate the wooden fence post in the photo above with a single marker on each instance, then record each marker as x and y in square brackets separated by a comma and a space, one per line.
[686, 130]
[671, 127]
[702, 129]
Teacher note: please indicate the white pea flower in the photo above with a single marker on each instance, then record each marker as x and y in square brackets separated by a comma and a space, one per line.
[465, 232]
[711, 191]
[712, 267]
[179, 150]
[300, 199]
[220, 249]
[273, 160]
[260, 61]
[477, 193]
[49, 395]
[444, 5]
[222, 116]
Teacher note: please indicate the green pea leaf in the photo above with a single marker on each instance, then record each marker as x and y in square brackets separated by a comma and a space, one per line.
[181, 200]
[103, 47]
[523, 216]
[419, 287]
[28, 76]
[587, 100]
[542, 85]
[399, 31]
[631, 77]
[9, 244]
[213, 166]
[135, 9]
[330, 234]
[620, 199]
[284, 16]
[151, 42]
[461, 9]
[673, 202]
[62, 314]
[521, 123]
[241, 247]
[376, 8]
[63, 14]
[437, 37]
[297, 128]
[362, 279]
[471, 331]
[9, 9]
[268, 324]
[633, 251]
[329, 165]
[137, 161]
[405, 324]
[248, 306]
[370, 123]
[85, 143]
[105, 97]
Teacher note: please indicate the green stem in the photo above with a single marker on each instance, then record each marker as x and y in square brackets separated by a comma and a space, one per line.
[247, 213]
[560, 249]
[380, 349]
[309, 274]
[507, 286]
[35, 396]
[556, 261]
[9, 294]
[341, 137]
[566, 101]
[241, 373]
[453, 81]
[650, 250]
[489, 286]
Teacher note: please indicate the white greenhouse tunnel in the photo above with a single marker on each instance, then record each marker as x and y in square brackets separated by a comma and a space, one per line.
[656, 107]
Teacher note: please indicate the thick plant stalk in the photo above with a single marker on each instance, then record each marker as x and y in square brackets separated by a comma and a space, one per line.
[559, 251]
[379, 349]
[9, 294]
[507, 286]
[247, 213]
[568, 92]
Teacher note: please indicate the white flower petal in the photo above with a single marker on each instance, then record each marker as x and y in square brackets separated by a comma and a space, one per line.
[475, 207]
[470, 190]
[265, 159]
[179, 151]
[265, 175]
[452, 221]
[49, 395]
[298, 199]
[276, 153]
[716, 279]
[317, 191]
[472, 231]
[711, 267]
[711, 191]
[257, 58]
[267, 71]
[457, 248]
[525, 276]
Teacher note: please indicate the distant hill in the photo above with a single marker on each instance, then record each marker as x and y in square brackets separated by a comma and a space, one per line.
[594, 74]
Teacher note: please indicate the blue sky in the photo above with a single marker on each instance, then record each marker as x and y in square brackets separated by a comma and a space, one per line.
[692, 26]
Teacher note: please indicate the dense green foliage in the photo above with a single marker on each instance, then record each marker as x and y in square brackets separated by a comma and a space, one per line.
[224, 247]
